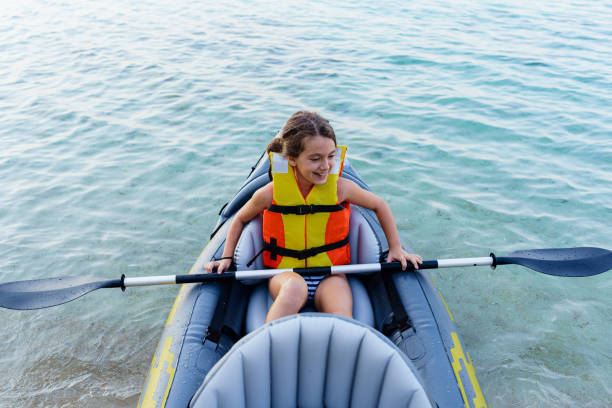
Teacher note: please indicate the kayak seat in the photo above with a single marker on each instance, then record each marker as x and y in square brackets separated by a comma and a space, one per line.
[312, 360]
[365, 248]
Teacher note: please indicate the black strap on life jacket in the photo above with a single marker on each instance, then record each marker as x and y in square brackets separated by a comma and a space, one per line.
[276, 250]
[305, 208]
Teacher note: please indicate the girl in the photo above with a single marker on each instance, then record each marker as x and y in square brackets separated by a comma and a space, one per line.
[308, 198]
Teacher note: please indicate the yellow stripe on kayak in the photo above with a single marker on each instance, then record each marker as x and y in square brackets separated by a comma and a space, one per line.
[155, 372]
[166, 358]
[445, 305]
[458, 356]
[177, 301]
[443, 301]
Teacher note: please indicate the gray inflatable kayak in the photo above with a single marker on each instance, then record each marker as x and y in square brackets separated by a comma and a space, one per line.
[401, 349]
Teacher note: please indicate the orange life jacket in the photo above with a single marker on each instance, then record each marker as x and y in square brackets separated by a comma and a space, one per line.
[309, 231]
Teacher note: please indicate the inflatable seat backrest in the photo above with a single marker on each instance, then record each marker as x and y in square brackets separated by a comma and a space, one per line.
[365, 248]
[313, 360]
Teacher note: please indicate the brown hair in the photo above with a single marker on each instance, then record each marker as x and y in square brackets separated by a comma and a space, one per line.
[300, 126]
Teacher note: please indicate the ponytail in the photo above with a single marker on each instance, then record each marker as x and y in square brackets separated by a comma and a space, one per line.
[275, 145]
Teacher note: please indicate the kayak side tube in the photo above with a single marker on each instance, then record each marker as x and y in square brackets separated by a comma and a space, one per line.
[183, 357]
[431, 340]
[442, 359]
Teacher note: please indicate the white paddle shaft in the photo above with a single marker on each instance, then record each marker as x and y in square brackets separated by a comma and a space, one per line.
[334, 270]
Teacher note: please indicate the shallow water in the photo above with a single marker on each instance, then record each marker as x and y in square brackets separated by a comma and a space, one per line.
[124, 129]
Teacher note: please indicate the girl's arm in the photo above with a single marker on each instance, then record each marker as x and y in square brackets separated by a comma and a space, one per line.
[351, 192]
[259, 202]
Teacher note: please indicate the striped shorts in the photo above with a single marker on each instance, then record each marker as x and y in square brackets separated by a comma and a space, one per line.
[313, 282]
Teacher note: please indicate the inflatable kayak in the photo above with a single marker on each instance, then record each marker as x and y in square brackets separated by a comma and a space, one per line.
[401, 349]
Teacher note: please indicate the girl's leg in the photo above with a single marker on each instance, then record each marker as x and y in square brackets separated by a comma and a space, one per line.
[290, 292]
[334, 296]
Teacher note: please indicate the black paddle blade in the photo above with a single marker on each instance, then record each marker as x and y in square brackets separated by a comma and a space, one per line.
[570, 262]
[41, 293]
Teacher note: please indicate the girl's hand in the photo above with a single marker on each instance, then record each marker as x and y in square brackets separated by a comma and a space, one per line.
[398, 254]
[222, 265]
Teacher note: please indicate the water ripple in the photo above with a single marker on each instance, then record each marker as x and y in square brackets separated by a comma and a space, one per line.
[486, 126]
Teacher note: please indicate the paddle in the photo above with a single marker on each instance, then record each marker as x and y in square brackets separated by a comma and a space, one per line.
[41, 293]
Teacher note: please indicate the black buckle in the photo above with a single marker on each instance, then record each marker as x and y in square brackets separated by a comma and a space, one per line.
[304, 209]
[307, 253]
[212, 335]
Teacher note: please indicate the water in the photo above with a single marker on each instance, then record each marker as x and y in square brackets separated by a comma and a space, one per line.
[125, 127]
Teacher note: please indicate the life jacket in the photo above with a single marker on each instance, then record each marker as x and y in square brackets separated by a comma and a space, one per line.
[306, 231]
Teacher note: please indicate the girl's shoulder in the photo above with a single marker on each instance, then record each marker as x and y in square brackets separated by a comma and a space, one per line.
[261, 199]
[345, 189]
[264, 195]
[267, 188]
[351, 192]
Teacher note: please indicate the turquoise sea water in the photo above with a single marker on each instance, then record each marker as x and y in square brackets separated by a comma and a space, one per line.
[125, 127]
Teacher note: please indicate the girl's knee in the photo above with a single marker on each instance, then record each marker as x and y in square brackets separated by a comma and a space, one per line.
[293, 293]
[295, 288]
[286, 281]
[290, 295]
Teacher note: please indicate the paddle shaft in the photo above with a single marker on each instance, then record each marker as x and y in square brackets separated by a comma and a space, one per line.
[324, 270]
[41, 293]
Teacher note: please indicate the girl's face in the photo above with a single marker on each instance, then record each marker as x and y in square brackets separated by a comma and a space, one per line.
[316, 160]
